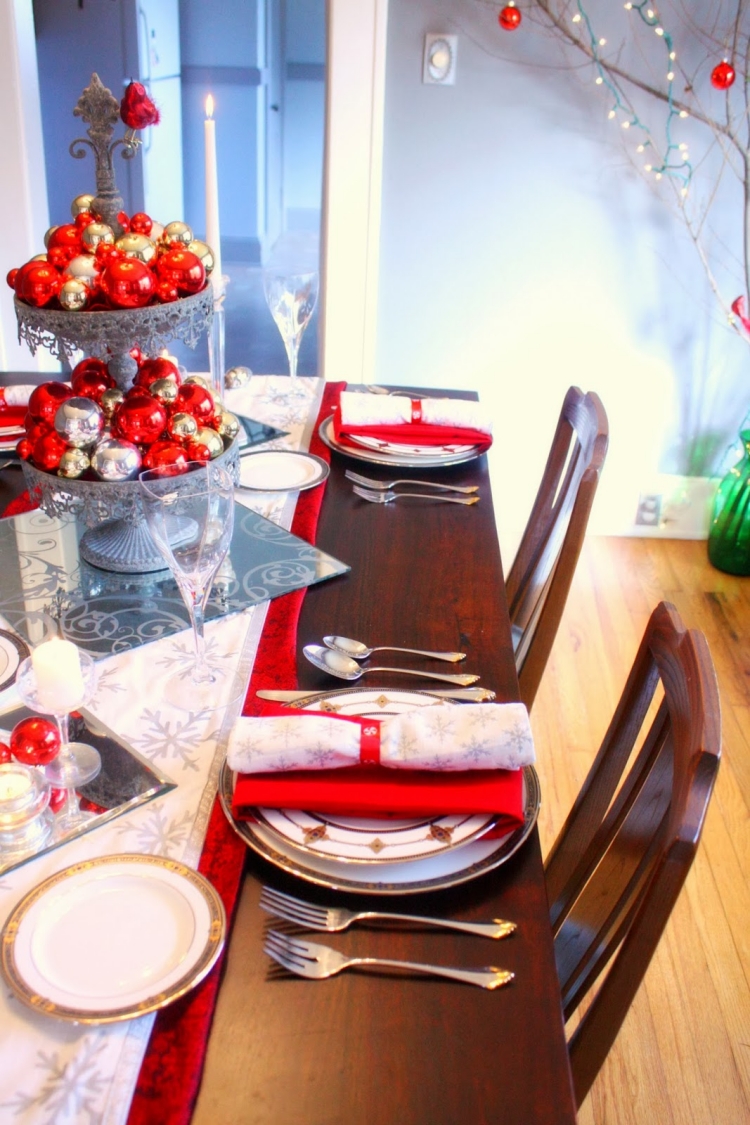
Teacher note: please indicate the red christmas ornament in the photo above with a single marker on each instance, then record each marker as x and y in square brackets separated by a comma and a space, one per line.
[136, 108]
[197, 451]
[91, 363]
[166, 455]
[106, 251]
[45, 400]
[137, 355]
[124, 221]
[37, 284]
[64, 244]
[141, 223]
[57, 798]
[92, 384]
[723, 75]
[84, 219]
[183, 269]
[509, 17]
[127, 283]
[194, 399]
[166, 292]
[157, 368]
[36, 428]
[11, 278]
[23, 449]
[47, 451]
[5, 755]
[34, 741]
[140, 419]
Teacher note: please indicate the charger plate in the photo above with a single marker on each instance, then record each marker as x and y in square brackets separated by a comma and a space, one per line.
[12, 651]
[112, 938]
[438, 456]
[272, 835]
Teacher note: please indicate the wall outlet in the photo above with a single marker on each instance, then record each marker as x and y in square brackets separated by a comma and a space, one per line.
[649, 509]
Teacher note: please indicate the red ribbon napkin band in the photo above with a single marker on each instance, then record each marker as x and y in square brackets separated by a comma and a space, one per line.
[369, 729]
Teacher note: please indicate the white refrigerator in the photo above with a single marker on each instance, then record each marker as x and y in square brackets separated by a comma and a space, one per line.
[159, 67]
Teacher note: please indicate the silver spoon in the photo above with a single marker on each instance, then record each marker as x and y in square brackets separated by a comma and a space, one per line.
[337, 664]
[360, 651]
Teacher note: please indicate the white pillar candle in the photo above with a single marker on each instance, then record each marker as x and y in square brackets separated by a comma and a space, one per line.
[59, 678]
[213, 236]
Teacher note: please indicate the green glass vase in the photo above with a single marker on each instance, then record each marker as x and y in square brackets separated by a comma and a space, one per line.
[729, 534]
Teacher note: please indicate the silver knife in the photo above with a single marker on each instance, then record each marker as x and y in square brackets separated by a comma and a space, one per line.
[466, 695]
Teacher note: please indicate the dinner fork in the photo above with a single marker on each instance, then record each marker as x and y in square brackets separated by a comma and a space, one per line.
[388, 497]
[335, 918]
[308, 959]
[382, 485]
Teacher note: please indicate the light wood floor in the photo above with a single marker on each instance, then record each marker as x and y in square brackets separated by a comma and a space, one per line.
[683, 1054]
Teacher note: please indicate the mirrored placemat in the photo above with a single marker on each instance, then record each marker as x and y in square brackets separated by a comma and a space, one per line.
[104, 612]
[126, 779]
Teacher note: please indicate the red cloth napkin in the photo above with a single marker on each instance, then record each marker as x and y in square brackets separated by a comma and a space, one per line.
[374, 791]
[412, 433]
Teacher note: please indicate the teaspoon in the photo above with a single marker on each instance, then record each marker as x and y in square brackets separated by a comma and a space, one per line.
[337, 664]
[360, 651]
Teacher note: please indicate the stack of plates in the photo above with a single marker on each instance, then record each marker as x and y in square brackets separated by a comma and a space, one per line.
[378, 452]
[380, 856]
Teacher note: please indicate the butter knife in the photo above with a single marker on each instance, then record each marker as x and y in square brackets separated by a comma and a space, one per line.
[465, 695]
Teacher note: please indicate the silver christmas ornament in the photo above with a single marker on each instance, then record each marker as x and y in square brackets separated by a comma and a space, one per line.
[95, 233]
[212, 441]
[229, 426]
[81, 203]
[73, 295]
[80, 421]
[49, 234]
[182, 426]
[111, 398]
[84, 267]
[114, 460]
[237, 377]
[72, 463]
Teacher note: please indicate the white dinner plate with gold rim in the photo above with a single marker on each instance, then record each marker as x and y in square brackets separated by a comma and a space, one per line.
[433, 460]
[406, 449]
[280, 470]
[446, 867]
[12, 651]
[112, 938]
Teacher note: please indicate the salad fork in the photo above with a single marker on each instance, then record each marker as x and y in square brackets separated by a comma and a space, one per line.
[382, 485]
[308, 959]
[389, 497]
[333, 919]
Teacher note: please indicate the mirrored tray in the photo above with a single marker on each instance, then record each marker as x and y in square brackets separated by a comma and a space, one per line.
[126, 779]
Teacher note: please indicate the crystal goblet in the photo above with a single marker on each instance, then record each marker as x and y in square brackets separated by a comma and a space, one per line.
[290, 284]
[190, 516]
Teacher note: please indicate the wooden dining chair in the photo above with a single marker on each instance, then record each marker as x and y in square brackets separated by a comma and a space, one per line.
[542, 571]
[619, 863]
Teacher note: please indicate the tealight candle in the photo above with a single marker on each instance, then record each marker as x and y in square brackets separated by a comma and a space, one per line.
[12, 785]
[57, 667]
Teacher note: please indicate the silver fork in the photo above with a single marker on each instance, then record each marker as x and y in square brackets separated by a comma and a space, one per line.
[381, 485]
[335, 918]
[308, 959]
[388, 497]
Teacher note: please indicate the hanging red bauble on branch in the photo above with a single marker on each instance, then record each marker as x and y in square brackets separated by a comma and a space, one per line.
[136, 108]
[723, 75]
[509, 17]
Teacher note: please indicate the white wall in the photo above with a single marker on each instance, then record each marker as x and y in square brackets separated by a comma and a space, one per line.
[520, 253]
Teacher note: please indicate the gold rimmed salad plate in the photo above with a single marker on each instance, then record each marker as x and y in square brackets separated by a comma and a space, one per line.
[280, 470]
[112, 938]
[12, 651]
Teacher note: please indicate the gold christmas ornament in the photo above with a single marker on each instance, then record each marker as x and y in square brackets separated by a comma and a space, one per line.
[73, 463]
[177, 232]
[83, 267]
[229, 426]
[39, 258]
[137, 246]
[95, 233]
[237, 377]
[111, 399]
[81, 203]
[203, 251]
[212, 441]
[165, 390]
[157, 232]
[199, 379]
[48, 235]
[74, 294]
[182, 426]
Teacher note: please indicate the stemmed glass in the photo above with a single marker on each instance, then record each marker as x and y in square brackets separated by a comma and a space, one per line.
[76, 763]
[191, 516]
[290, 283]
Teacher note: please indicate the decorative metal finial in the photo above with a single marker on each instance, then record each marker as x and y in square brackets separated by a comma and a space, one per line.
[98, 106]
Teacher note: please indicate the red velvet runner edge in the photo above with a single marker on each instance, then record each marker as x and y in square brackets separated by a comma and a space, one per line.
[172, 1068]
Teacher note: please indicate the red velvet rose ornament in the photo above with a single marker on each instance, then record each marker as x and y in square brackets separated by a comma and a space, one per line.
[136, 108]
[34, 741]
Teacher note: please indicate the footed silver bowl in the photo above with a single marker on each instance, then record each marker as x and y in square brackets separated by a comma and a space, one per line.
[117, 537]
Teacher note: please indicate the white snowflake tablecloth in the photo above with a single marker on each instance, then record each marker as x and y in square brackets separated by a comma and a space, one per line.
[55, 1073]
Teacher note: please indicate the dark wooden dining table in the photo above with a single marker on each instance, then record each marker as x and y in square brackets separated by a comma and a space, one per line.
[376, 1047]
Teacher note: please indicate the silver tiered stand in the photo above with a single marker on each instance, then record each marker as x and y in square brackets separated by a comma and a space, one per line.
[117, 538]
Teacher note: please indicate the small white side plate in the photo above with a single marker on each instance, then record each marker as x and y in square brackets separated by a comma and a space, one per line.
[278, 470]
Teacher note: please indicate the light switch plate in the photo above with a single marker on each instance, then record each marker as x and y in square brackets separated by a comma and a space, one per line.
[439, 62]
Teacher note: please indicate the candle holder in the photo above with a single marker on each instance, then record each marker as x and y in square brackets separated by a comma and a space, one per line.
[76, 763]
[25, 820]
[217, 336]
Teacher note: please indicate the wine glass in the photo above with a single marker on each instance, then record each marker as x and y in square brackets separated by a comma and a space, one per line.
[76, 763]
[290, 283]
[191, 516]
